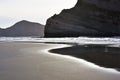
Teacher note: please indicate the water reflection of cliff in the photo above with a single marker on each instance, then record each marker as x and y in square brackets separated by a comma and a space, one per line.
[98, 54]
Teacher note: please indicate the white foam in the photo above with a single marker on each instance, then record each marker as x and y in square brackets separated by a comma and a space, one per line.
[78, 40]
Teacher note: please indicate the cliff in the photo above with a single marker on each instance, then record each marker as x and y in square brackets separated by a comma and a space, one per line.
[94, 18]
[24, 29]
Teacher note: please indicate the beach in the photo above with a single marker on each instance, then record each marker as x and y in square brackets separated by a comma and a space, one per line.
[32, 61]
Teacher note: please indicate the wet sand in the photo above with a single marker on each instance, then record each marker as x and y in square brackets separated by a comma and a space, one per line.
[102, 55]
[32, 61]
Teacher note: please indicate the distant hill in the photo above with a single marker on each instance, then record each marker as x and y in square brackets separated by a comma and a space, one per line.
[23, 29]
[0, 31]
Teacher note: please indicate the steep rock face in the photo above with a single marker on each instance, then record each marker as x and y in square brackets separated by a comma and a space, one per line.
[88, 18]
[24, 29]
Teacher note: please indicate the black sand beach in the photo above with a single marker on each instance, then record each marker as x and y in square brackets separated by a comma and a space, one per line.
[32, 61]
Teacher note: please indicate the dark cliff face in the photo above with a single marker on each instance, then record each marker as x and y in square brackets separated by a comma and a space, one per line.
[24, 29]
[100, 18]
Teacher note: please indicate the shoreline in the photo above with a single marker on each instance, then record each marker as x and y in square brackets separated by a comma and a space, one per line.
[32, 61]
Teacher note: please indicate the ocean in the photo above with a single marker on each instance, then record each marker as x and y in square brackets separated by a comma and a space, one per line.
[78, 40]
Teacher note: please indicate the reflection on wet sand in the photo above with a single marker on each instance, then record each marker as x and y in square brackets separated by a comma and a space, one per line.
[102, 55]
[30, 61]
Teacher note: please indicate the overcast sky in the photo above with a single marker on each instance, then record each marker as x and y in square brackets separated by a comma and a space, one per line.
[12, 11]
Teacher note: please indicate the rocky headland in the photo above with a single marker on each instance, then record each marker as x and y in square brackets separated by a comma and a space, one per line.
[93, 18]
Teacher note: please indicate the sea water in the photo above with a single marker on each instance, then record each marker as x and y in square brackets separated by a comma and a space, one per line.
[78, 40]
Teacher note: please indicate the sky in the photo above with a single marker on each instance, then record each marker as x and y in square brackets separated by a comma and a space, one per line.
[12, 11]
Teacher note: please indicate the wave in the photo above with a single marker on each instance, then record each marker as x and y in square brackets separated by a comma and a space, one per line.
[78, 40]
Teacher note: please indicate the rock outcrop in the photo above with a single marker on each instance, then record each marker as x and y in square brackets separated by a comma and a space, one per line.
[94, 18]
[24, 29]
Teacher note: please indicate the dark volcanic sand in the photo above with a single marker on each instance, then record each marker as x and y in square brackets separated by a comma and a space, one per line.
[98, 54]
